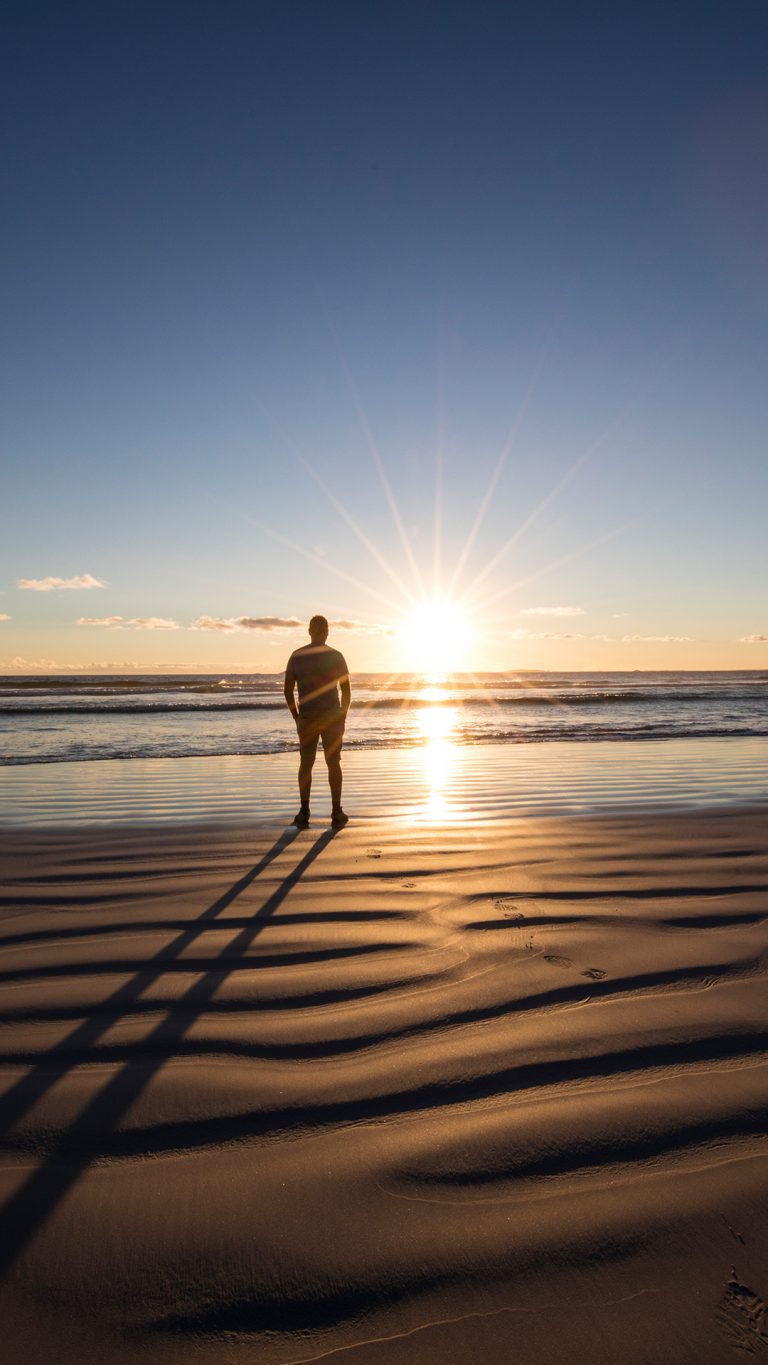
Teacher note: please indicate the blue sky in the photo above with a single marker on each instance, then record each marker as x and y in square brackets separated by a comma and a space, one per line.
[243, 238]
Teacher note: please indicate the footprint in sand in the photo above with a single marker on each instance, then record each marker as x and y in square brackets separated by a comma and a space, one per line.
[743, 1316]
[508, 909]
[735, 1235]
[594, 973]
[558, 961]
[373, 853]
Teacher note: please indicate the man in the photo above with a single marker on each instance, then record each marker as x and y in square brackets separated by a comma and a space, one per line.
[318, 672]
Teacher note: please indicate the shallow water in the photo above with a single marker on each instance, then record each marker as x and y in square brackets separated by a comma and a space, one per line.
[438, 783]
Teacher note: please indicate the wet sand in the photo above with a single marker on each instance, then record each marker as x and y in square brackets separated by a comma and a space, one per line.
[433, 783]
[413, 1092]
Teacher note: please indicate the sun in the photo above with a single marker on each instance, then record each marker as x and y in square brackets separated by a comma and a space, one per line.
[435, 639]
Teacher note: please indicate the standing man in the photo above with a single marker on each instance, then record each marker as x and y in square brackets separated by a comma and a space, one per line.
[318, 672]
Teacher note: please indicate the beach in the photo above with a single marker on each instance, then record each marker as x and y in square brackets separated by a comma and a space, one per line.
[433, 1088]
[384, 391]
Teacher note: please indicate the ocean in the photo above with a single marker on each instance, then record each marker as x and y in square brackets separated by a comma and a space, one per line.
[46, 719]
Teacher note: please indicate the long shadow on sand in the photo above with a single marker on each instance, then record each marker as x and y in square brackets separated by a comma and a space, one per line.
[35, 1200]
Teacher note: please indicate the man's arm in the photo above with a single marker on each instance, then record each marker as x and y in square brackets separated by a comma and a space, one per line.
[288, 690]
[344, 687]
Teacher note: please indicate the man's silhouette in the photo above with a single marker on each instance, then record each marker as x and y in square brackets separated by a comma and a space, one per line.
[319, 672]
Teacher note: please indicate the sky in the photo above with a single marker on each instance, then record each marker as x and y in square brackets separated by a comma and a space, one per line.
[434, 317]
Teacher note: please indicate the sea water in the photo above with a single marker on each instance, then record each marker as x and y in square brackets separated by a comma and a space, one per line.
[46, 719]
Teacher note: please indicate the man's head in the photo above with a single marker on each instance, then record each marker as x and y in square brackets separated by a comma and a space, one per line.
[318, 630]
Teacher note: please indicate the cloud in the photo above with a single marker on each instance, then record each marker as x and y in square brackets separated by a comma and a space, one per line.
[138, 622]
[656, 639]
[521, 634]
[620, 615]
[362, 628]
[28, 665]
[248, 623]
[284, 623]
[83, 580]
[552, 611]
[19, 665]
[215, 623]
[4, 616]
[743, 640]
[271, 623]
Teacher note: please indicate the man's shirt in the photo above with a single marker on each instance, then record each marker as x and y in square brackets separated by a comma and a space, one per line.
[317, 671]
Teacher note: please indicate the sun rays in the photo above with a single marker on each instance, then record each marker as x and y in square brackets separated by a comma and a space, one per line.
[438, 630]
[442, 604]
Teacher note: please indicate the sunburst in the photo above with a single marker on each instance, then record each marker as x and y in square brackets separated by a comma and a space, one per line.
[438, 631]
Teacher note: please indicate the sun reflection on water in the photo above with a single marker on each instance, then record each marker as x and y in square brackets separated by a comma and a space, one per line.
[437, 724]
[434, 694]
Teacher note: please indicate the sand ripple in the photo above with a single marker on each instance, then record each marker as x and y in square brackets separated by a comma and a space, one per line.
[446, 1093]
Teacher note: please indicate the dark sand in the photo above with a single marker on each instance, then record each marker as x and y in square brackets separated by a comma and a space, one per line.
[427, 1094]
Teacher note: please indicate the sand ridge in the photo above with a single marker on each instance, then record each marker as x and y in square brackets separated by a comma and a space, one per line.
[408, 1092]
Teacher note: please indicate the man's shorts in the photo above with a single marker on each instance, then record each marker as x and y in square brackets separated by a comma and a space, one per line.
[329, 727]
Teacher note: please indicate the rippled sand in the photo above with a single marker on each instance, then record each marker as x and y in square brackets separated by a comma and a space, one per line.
[414, 1092]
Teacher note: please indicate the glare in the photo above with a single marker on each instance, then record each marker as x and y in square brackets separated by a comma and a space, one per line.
[436, 638]
[434, 694]
[437, 722]
[437, 725]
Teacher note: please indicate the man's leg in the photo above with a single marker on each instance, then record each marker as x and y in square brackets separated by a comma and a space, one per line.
[332, 738]
[308, 737]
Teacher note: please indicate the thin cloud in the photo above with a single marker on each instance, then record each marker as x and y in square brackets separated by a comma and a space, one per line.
[4, 616]
[362, 628]
[552, 611]
[522, 634]
[26, 665]
[117, 666]
[283, 623]
[137, 622]
[214, 623]
[751, 639]
[83, 580]
[229, 623]
[657, 639]
[271, 623]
